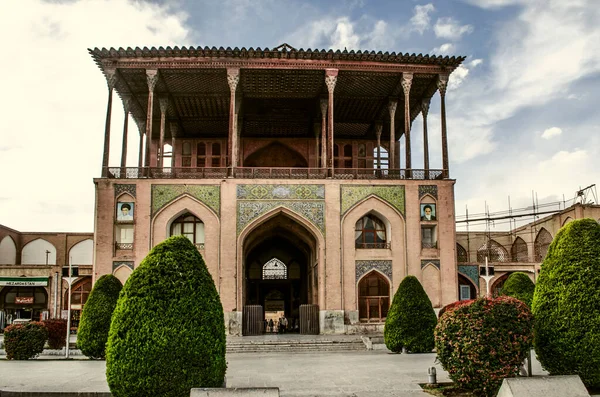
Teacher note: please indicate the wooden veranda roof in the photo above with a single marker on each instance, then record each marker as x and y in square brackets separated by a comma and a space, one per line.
[280, 88]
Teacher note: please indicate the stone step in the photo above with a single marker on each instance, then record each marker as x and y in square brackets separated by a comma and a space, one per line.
[294, 346]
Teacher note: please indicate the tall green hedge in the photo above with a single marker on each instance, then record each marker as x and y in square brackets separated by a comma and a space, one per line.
[167, 333]
[92, 333]
[519, 286]
[566, 303]
[411, 319]
[481, 342]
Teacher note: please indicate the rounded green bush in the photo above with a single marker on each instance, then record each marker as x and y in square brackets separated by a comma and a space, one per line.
[484, 341]
[411, 319]
[25, 341]
[92, 333]
[566, 304]
[519, 286]
[167, 333]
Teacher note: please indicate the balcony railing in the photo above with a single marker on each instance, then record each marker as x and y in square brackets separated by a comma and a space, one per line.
[269, 173]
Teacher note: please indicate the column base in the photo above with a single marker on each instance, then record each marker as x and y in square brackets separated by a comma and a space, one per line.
[233, 323]
[331, 322]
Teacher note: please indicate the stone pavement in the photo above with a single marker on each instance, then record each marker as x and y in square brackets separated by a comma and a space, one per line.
[359, 374]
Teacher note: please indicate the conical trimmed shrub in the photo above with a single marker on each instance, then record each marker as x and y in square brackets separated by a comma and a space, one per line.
[519, 286]
[411, 320]
[566, 304]
[92, 333]
[167, 333]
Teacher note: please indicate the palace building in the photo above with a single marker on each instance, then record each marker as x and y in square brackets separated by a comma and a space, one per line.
[283, 167]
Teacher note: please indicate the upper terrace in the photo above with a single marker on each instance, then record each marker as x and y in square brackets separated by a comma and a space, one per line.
[274, 113]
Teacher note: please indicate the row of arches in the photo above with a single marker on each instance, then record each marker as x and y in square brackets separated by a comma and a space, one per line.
[43, 252]
[519, 251]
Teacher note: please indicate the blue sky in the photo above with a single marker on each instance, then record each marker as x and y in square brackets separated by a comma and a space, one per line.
[522, 109]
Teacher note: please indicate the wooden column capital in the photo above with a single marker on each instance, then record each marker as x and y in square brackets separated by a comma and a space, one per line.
[425, 108]
[151, 79]
[442, 84]
[233, 78]
[111, 78]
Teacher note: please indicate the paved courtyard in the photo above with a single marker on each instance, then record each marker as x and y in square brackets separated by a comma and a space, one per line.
[368, 373]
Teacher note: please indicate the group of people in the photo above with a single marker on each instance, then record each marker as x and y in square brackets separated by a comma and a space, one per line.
[281, 325]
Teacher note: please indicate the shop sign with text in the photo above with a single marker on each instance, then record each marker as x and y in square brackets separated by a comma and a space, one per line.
[24, 281]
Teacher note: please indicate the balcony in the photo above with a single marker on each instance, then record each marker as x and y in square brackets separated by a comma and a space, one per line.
[270, 173]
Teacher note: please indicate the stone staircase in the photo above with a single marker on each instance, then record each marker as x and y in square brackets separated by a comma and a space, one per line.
[317, 344]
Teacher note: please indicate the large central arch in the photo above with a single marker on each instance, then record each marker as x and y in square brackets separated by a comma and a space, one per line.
[286, 239]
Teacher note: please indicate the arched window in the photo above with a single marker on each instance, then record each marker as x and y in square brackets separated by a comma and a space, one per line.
[186, 154]
[542, 242]
[79, 296]
[373, 298]
[274, 270]
[518, 251]
[461, 254]
[370, 233]
[191, 227]
[494, 251]
[383, 162]
[201, 155]
[216, 154]
[466, 288]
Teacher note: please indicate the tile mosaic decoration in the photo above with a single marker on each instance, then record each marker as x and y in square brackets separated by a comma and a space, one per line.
[363, 267]
[207, 194]
[428, 189]
[352, 194]
[281, 192]
[471, 271]
[116, 264]
[120, 189]
[434, 262]
[248, 210]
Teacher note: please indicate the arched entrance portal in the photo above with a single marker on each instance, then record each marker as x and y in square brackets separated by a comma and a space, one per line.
[280, 272]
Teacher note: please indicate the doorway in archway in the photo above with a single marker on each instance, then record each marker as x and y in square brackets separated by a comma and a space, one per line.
[279, 272]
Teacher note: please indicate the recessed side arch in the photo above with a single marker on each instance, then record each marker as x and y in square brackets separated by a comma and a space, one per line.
[38, 252]
[432, 283]
[396, 253]
[82, 252]
[374, 292]
[464, 280]
[161, 223]
[8, 251]
[122, 273]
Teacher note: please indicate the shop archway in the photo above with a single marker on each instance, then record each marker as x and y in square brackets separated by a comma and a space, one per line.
[24, 302]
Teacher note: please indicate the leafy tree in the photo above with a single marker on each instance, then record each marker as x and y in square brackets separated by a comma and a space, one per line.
[411, 319]
[167, 333]
[519, 286]
[483, 341]
[95, 319]
[566, 303]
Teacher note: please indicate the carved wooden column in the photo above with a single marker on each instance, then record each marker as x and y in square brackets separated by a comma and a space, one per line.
[238, 141]
[323, 103]
[164, 104]
[111, 79]
[233, 78]
[174, 131]
[142, 130]
[406, 84]
[126, 103]
[442, 84]
[378, 129]
[393, 104]
[152, 79]
[424, 112]
[317, 133]
[330, 80]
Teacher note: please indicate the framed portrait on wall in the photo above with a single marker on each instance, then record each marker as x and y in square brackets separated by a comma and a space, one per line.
[428, 212]
[125, 211]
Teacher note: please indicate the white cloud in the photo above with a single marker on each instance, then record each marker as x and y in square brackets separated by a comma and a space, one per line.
[551, 132]
[475, 62]
[420, 20]
[344, 36]
[444, 49]
[494, 3]
[57, 103]
[457, 77]
[449, 28]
